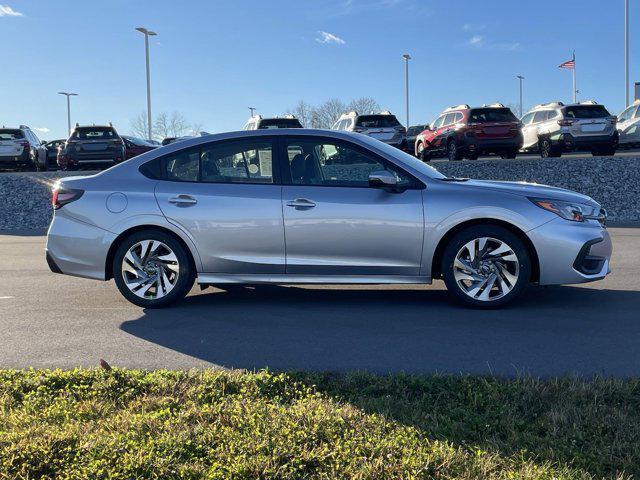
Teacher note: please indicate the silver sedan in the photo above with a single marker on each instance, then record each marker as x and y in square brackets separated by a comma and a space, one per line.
[316, 207]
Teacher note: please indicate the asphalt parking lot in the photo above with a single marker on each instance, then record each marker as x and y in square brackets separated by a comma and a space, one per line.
[50, 320]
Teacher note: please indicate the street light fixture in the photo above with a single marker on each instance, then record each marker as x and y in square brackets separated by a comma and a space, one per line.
[147, 34]
[406, 57]
[626, 53]
[68, 94]
[520, 78]
[251, 110]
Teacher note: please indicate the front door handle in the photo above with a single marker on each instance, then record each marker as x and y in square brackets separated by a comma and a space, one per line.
[183, 200]
[301, 203]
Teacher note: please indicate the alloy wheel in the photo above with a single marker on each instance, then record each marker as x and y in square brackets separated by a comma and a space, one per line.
[486, 269]
[150, 269]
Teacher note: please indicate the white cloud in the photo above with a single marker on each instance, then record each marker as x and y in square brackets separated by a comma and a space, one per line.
[476, 41]
[7, 11]
[326, 37]
[42, 129]
[479, 41]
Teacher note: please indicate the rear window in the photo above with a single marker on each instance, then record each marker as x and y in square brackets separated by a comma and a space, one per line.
[377, 121]
[586, 111]
[280, 123]
[482, 115]
[10, 134]
[94, 133]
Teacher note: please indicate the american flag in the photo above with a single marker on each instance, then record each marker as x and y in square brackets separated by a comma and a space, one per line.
[568, 64]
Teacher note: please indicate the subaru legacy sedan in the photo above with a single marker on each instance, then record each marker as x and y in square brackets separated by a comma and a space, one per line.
[316, 207]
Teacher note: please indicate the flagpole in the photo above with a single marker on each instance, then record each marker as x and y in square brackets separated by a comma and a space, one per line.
[575, 99]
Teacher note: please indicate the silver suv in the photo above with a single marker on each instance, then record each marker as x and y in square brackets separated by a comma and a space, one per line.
[382, 126]
[20, 148]
[554, 128]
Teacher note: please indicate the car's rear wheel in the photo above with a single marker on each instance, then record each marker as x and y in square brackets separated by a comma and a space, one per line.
[152, 269]
[473, 156]
[486, 266]
[510, 154]
[453, 152]
[547, 150]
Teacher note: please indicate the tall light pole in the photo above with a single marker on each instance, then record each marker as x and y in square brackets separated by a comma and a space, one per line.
[520, 78]
[251, 110]
[626, 53]
[406, 57]
[68, 94]
[147, 34]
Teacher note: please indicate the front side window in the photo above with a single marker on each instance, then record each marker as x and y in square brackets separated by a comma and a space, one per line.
[335, 164]
[628, 113]
[527, 118]
[438, 123]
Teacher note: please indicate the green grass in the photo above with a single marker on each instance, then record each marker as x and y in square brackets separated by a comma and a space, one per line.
[90, 424]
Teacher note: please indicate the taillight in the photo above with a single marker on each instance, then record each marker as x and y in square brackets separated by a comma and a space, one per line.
[402, 130]
[25, 144]
[62, 196]
[565, 123]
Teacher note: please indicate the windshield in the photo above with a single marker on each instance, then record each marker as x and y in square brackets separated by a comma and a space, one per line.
[94, 133]
[10, 134]
[485, 115]
[402, 157]
[377, 121]
[586, 111]
[280, 123]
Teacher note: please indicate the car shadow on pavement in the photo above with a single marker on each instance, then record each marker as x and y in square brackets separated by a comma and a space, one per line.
[548, 331]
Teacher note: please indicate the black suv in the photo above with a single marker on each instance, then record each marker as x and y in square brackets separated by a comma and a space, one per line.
[91, 146]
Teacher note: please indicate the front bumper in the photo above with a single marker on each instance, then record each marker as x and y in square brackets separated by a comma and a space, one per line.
[572, 252]
[77, 248]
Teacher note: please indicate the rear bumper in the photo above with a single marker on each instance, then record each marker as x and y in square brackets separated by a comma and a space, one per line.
[77, 248]
[14, 160]
[492, 145]
[572, 252]
[570, 142]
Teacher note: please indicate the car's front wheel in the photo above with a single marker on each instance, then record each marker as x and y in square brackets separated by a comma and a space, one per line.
[486, 266]
[152, 269]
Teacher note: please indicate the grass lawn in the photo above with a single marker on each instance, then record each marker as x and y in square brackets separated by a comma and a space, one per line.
[121, 424]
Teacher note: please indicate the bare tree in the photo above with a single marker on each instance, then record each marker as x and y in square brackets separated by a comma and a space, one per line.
[303, 112]
[139, 127]
[174, 125]
[364, 105]
[327, 113]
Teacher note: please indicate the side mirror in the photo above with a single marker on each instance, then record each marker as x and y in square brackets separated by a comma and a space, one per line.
[42, 142]
[383, 179]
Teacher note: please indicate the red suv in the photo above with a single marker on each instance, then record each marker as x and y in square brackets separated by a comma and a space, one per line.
[463, 131]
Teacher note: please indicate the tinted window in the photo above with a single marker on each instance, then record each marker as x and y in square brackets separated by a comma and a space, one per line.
[438, 122]
[527, 118]
[280, 123]
[540, 116]
[585, 111]
[481, 115]
[325, 163]
[415, 130]
[138, 141]
[94, 133]
[628, 113]
[182, 166]
[10, 134]
[377, 121]
[237, 162]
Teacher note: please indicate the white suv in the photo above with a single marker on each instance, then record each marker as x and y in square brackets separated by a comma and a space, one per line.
[629, 126]
[553, 128]
[382, 126]
[21, 149]
[258, 123]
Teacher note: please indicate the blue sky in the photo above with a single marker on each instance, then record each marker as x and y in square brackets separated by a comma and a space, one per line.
[212, 59]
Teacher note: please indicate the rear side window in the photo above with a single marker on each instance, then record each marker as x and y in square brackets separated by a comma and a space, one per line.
[11, 134]
[586, 111]
[485, 115]
[280, 123]
[182, 166]
[377, 121]
[94, 133]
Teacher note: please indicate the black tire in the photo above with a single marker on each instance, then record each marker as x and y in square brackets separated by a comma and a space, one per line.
[185, 277]
[547, 150]
[423, 155]
[510, 155]
[495, 232]
[473, 156]
[453, 152]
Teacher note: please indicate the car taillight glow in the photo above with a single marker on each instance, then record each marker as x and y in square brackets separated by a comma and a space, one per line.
[25, 144]
[565, 123]
[63, 196]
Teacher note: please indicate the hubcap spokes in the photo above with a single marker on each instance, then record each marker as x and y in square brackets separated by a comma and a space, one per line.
[486, 269]
[150, 269]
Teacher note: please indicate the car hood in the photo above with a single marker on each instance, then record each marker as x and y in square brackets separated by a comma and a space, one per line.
[532, 190]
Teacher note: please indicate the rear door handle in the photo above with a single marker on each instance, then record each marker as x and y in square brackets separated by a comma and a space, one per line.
[301, 203]
[183, 200]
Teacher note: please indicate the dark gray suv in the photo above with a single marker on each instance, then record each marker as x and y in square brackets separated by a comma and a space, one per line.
[96, 146]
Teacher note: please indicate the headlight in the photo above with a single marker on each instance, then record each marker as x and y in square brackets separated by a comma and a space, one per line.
[573, 211]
